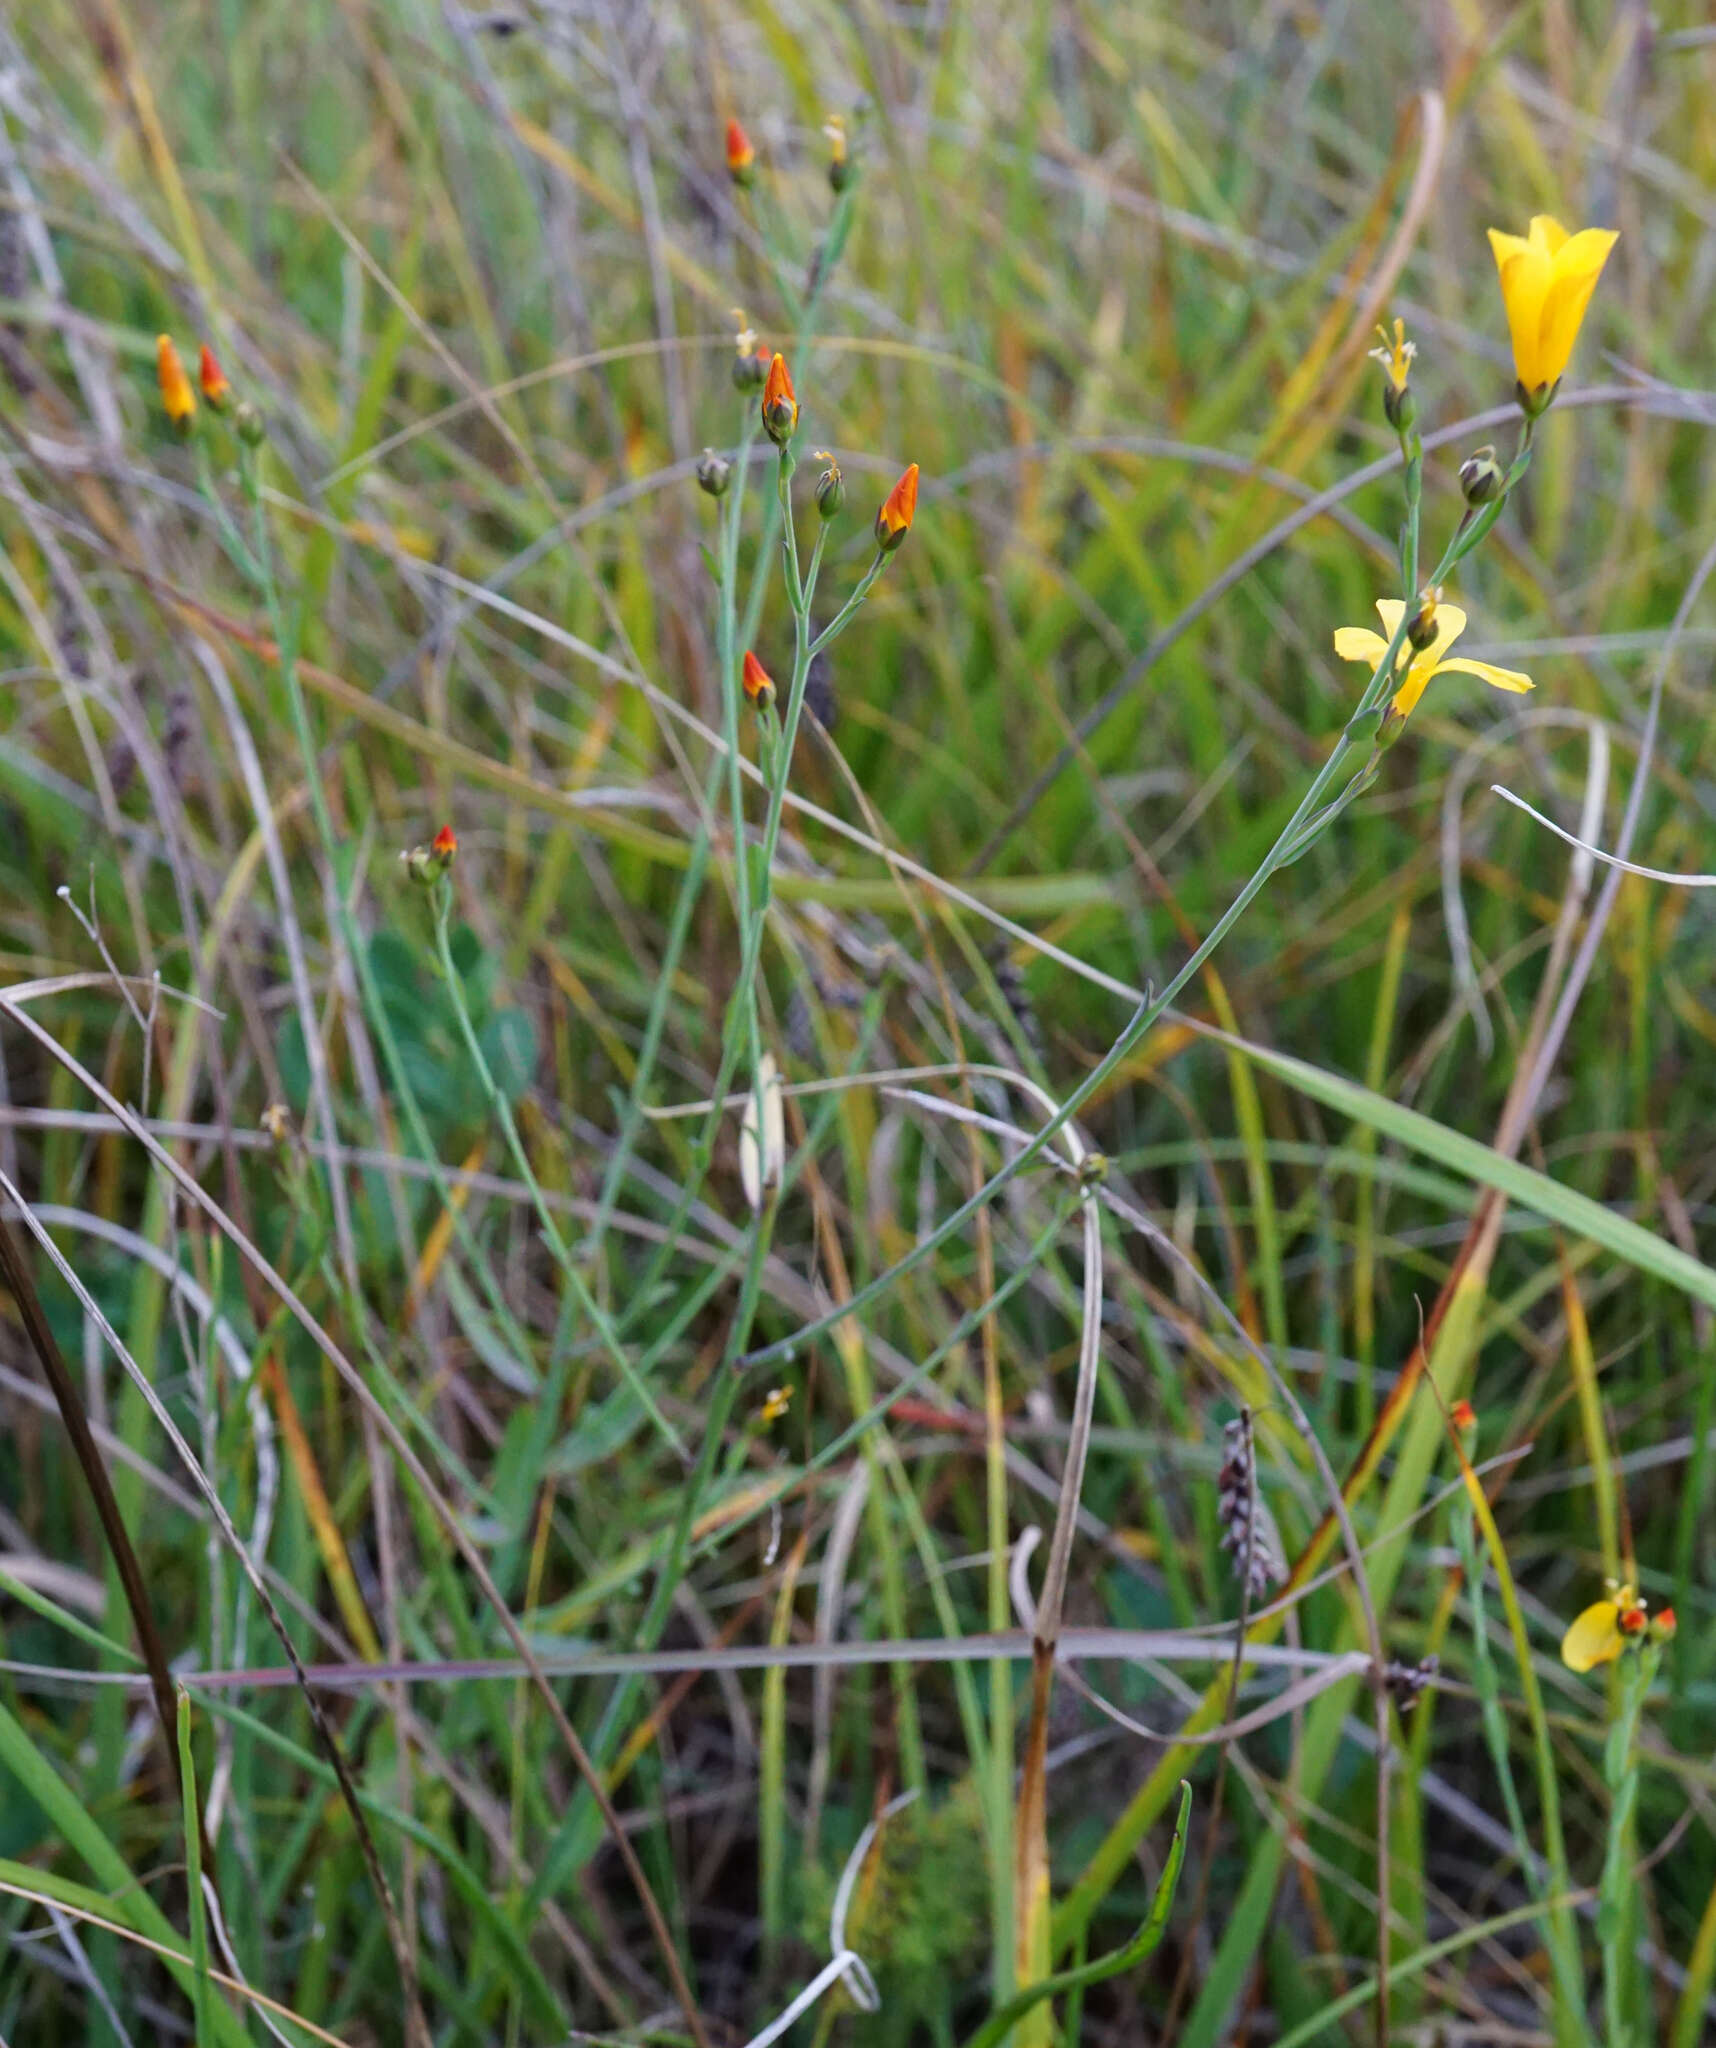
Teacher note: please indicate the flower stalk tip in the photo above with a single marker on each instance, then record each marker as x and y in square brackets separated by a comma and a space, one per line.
[212, 378]
[425, 865]
[741, 156]
[1547, 278]
[1605, 1629]
[840, 165]
[780, 403]
[1395, 356]
[178, 400]
[830, 485]
[899, 509]
[1480, 476]
[759, 685]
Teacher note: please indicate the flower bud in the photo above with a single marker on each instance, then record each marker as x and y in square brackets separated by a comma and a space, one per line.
[830, 485]
[252, 429]
[1390, 724]
[1395, 356]
[1633, 1621]
[776, 1402]
[741, 157]
[427, 864]
[841, 168]
[1663, 1627]
[212, 378]
[1421, 627]
[758, 685]
[178, 400]
[1480, 476]
[1463, 1416]
[899, 508]
[780, 403]
[750, 368]
[714, 473]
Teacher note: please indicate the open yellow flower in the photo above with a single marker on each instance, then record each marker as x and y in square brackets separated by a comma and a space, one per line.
[1359, 643]
[1604, 1629]
[1547, 278]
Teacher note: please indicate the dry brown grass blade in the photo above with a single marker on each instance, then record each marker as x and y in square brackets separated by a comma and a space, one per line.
[412, 1464]
[16, 1274]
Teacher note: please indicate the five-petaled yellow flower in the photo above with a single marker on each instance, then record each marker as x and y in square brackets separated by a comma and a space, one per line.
[1603, 1631]
[1547, 278]
[1359, 643]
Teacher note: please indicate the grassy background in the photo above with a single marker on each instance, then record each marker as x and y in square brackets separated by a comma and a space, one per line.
[1110, 282]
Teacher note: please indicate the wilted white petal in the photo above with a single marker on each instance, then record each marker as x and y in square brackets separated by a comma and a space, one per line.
[758, 1171]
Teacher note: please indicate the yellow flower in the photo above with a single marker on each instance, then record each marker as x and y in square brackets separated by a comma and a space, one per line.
[1602, 1632]
[776, 1403]
[1395, 355]
[1547, 278]
[1359, 643]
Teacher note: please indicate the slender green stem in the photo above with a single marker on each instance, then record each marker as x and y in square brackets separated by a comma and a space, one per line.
[1144, 1943]
[557, 1246]
[1615, 1896]
[1291, 841]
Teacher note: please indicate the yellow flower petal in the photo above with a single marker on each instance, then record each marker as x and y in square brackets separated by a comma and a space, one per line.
[1405, 699]
[1506, 245]
[1547, 232]
[1390, 611]
[1525, 281]
[1593, 1638]
[1450, 624]
[1568, 296]
[1486, 671]
[1359, 643]
[1588, 250]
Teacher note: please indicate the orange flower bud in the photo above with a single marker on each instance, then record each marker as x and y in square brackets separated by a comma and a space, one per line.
[780, 403]
[758, 685]
[177, 397]
[741, 157]
[212, 378]
[899, 508]
[445, 843]
[1632, 1621]
[1463, 1415]
[1663, 1628]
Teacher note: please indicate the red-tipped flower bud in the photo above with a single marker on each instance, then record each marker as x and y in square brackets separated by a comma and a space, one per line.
[741, 157]
[177, 398]
[758, 686]
[780, 403]
[1463, 1415]
[899, 509]
[212, 378]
